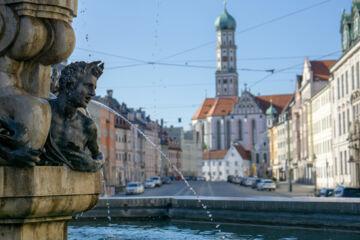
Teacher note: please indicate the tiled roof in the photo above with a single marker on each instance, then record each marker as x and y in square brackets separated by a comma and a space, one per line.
[215, 107]
[278, 101]
[320, 69]
[245, 154]
[214, 154]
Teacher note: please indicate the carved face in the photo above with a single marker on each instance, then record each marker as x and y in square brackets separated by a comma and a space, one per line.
[84, 91]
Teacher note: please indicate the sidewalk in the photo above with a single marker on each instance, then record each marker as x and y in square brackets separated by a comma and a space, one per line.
[298, 190]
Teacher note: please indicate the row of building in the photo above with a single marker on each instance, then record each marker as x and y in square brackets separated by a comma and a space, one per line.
[311, 135]
[130, 142]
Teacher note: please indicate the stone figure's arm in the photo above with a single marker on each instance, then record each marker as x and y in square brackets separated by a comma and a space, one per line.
[92, 143]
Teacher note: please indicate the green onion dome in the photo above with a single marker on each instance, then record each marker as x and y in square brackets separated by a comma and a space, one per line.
[225, 22]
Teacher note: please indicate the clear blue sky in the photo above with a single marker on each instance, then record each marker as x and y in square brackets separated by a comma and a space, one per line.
[126, 34]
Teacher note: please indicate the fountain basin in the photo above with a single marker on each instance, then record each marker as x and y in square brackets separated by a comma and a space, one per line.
[36, 203]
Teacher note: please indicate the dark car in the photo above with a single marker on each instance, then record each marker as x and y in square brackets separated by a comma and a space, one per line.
[230, 178]
[326, 192]
[341, 191]
[166, 180]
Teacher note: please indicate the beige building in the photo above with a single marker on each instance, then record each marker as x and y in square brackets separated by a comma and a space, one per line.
[315, 77]
[321, 138]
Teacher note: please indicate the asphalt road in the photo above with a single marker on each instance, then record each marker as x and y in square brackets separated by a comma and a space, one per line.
[223, 189]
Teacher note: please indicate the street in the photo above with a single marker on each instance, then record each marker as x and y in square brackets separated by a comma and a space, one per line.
[225, 189]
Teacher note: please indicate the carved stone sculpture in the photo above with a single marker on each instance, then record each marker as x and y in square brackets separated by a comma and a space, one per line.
[73, 135]
[34, 34]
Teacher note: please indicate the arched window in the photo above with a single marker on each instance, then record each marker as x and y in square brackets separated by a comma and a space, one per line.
[240, 130]
[253, 131]
[218, 134]
[228, 134]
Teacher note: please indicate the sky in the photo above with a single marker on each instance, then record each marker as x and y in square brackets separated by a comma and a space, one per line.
[160, 55]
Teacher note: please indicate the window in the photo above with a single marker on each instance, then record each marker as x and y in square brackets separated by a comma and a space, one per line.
[346, 82]
[345, 163]
[227, 163]
[352, 78]
[342, 85]
[228, 134]
[339, 124]
[357, 75]
[240, 130]
[253, 131]
[219, 163]
[236, 163]
[218, 134]
[338, 87]
[257, 158]
[265, 157]
[344, 123]
[341, 163]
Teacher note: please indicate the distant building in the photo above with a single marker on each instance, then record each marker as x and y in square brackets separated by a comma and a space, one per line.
[217, 165]
[229, 118]
[191, 150]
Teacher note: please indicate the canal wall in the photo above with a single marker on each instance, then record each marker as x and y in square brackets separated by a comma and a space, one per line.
[301, 212]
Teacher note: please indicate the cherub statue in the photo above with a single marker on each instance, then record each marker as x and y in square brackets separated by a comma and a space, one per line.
[73, 134]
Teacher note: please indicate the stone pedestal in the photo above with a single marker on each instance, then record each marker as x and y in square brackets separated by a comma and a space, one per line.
[36, 203]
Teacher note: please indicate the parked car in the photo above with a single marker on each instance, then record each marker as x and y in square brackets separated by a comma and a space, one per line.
[341, 191]
[326, 192]
[230, 178]
[200, 178]
[166, 180]
[237, 180]
[266, 184]
[134, 188]
[157, 181]
[250, 181]
[255, 183]
[150, 184]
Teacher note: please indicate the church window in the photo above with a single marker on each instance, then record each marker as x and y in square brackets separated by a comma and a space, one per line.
[228, 134]
[253, 131]
[218, 134]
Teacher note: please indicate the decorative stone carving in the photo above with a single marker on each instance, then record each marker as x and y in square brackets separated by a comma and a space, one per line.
[34, 34]
[73, 135]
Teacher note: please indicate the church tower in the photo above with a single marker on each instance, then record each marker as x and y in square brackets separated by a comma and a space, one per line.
[226, 75]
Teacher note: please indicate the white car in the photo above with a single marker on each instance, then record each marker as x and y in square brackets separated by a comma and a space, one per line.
[134, 188]
[149, 183]
[157, 181]
[266, 184]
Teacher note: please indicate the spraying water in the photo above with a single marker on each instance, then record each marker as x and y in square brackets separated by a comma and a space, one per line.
[210, 216]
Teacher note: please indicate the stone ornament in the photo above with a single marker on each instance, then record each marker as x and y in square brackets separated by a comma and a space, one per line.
[34, 34]
[73, 134]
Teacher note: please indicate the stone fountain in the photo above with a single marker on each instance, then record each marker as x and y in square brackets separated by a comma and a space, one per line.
[49, 157]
